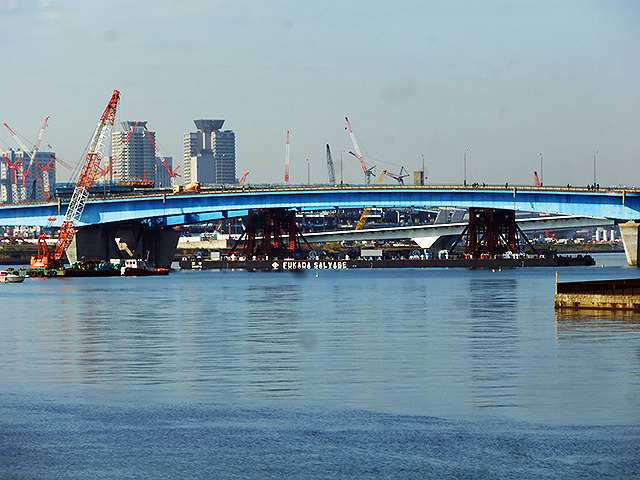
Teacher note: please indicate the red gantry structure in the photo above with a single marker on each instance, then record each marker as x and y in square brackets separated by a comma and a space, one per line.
[271, 233]
[491, 232]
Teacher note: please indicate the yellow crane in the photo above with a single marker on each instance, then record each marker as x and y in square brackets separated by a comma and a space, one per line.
[365, 212]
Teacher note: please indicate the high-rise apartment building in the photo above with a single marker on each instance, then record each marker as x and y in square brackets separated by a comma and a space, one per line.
[41, 177]
[134, 157]
[210, 154]
[162, 175]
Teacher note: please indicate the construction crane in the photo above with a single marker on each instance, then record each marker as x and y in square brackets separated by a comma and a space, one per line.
[330, 168]
[400, 177]
[88, 174]
[365, 212]
[368, 171]
[286, 161]
[44, 183]
[172, 173]
[102, 172]
[244, 177]
[16, 168]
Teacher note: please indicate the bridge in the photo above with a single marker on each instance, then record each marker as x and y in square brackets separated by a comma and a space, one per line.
[120, 218]
[442, 235]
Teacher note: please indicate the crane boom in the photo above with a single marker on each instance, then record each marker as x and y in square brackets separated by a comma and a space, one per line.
[44, 183]
[286, 161]
[330, 168]
[88, 173]
[368, 172]
[87, 177]
[16, 168]
[353, 139]
[172, 173]
[399, 177]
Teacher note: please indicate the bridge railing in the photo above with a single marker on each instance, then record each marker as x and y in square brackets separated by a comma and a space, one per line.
[269, 188]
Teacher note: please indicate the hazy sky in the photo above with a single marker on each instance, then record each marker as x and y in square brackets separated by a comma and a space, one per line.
[506, 80]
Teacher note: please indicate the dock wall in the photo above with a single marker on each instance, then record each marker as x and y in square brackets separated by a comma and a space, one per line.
[621, 294]
[597, 301]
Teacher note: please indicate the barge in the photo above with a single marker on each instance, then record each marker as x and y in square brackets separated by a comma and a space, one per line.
[115, 268]
[191, 263]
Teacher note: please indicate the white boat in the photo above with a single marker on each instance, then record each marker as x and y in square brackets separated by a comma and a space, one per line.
[10, 277]
[138, 267]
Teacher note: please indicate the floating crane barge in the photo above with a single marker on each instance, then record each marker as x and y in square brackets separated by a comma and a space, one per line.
[188, 263]
[272, 242]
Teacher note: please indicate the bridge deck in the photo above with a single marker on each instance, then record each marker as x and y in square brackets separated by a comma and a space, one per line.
[166, 208]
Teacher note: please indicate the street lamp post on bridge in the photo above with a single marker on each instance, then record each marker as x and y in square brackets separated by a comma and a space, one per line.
[541, 172]
[308, 178]
[465, 166]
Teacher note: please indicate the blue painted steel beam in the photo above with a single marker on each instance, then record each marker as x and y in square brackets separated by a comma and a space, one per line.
[212, 205]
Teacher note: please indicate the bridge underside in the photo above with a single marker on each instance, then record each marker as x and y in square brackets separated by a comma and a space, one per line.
[125, 240]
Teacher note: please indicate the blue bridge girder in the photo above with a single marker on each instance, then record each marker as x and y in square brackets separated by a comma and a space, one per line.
[167, 209]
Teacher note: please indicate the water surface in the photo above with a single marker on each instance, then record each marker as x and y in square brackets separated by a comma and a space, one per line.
[367, 374]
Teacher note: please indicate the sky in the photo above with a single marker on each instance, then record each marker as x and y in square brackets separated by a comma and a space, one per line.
[513, 85]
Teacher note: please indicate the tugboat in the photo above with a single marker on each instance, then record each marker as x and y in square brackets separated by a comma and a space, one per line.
[7, 276]
[133, 267]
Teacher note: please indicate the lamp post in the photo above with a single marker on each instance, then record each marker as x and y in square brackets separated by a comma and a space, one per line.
[341, 170]
[423, 175]
[308, 182]
[541, 172]
[594, 168]
[465, 166]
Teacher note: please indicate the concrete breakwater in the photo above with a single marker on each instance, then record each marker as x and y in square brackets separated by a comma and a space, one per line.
[600, 294]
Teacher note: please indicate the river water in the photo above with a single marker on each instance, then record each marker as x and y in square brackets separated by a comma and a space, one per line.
[402, 373]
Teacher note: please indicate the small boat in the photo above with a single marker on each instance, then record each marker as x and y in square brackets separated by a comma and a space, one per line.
[7, 276]
[137, 267]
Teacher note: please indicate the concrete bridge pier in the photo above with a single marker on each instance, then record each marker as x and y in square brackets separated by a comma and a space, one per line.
[132, 240]
[630, 232]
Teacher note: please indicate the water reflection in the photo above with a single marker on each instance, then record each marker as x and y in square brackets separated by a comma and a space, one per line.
[405, 341]
[600, 350]
[492, 333]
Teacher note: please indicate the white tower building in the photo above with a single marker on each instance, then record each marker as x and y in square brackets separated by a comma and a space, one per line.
[210, 153]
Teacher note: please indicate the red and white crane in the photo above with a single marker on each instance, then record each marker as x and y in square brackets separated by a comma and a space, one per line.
[88, 174]
[286, 161]
[399, 177]
[536, 179]
[16, 169]
[244, 177]
[172, 173]
[368, 171]
[43, 181]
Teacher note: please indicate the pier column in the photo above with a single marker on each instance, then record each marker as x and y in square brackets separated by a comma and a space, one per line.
[630, 232]
[104, 242]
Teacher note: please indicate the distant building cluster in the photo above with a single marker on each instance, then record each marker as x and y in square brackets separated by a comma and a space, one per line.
[23, 179]
[209, 158]
[209, 155]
